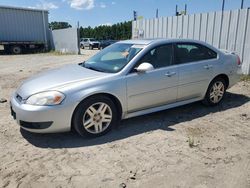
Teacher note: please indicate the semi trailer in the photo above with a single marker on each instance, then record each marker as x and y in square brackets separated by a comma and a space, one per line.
[23, 30]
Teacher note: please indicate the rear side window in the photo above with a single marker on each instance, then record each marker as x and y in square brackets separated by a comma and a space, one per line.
[191, 52]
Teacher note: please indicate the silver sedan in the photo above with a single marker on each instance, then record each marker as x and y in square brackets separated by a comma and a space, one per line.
[127, 79]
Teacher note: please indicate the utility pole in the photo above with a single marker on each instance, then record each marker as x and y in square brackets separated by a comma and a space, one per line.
[223, 5]
[176, 10]
[221, 23]
[242, 4]
[78, 37]
[135, 15]
[185, 9]
[157, 13]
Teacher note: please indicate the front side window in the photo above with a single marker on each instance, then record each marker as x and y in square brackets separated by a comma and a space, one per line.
[113, 58]
[159, 57]
[186, 52]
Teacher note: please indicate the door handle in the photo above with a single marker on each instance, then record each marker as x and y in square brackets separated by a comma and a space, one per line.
[170, 74]
[208, 66]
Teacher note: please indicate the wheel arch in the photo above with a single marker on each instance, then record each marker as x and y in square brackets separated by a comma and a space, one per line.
[223, 76]
[116, 101]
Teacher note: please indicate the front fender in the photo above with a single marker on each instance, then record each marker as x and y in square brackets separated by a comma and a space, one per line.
[116, 88]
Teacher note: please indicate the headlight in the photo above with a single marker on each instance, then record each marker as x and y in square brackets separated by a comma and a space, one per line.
[48, 98]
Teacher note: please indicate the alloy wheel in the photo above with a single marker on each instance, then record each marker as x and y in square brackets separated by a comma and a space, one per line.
[97, 118]
[217, 92]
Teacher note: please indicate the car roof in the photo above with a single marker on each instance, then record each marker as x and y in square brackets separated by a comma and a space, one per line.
[160, 40]
[150, 41]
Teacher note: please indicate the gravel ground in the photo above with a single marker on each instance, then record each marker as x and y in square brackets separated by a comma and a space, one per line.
[191, 146]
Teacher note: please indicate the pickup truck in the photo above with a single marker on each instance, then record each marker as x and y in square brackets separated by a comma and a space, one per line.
[90, 43]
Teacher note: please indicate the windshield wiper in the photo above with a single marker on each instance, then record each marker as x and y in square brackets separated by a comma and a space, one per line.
[91, 68]
[82, 64]
[94, 68]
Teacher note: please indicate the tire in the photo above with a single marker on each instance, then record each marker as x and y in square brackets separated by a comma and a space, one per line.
[95, 116]
[16, 50]
[215, 92]
[82, 46]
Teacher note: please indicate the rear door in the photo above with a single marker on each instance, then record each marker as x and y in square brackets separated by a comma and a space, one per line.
[196, 63]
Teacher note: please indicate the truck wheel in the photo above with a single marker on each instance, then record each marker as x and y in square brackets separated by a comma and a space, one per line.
[16, 50]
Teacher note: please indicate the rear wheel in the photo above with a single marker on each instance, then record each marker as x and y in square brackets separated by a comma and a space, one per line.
[16, 50]
[95, 116]
[215, 92]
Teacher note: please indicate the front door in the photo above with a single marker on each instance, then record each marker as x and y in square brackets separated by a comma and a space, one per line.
[156, 87]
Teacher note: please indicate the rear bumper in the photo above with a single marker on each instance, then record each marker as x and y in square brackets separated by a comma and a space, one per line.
[42, 119]
[235, 77]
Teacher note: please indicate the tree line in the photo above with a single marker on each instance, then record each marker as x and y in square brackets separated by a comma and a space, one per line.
[119, 31]
[59, 25]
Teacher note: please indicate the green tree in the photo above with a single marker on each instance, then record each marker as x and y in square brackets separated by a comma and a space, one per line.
[59, 25]
[119, 31]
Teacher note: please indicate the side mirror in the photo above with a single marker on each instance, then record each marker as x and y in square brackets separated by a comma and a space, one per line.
[144, 67]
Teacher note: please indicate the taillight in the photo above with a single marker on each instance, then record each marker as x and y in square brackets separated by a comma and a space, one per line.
[238, 60]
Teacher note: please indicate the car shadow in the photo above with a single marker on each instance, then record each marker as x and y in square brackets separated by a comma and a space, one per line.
[164, 120]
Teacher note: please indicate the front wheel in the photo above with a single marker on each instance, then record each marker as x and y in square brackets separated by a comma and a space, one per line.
[215, 92]
[95, 116]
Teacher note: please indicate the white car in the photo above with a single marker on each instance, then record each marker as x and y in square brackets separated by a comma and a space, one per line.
[90, 43]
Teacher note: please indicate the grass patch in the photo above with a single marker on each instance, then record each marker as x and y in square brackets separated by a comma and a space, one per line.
[191, 142]
[245, 78]
[60, 53]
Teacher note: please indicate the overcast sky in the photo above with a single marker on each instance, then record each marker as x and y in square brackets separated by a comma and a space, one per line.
[98, 12]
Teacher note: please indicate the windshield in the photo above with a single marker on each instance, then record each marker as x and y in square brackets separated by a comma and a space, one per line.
[92, 40]
[113, 58]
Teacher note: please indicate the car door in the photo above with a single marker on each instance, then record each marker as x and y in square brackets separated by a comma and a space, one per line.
[196, 63]
[156, 87]
[86, 42]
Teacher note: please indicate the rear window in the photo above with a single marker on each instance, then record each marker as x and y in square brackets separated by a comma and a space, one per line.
[191, 52]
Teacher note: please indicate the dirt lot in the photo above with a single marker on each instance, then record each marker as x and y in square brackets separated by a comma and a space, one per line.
[192, 146]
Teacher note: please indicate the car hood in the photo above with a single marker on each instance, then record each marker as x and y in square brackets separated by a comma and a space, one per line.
[57, 78]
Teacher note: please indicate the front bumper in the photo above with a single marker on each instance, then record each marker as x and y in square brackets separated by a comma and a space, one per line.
[42, 119]
[95, 45]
